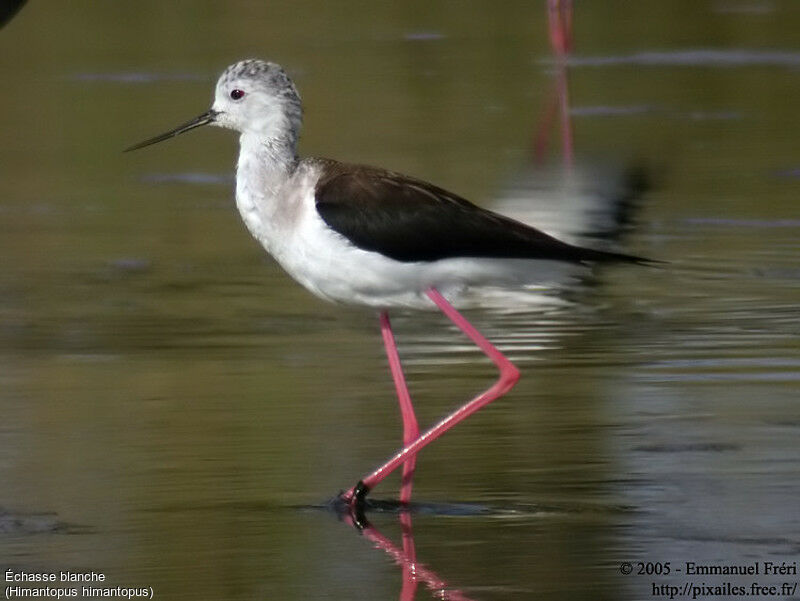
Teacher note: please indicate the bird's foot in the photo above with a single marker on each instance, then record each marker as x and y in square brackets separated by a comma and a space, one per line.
[356, 495]
[355, 499]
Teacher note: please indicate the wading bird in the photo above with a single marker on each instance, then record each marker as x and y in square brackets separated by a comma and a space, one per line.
[364, 235]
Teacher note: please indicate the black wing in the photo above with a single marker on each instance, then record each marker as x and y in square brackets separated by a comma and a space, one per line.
[410, 220]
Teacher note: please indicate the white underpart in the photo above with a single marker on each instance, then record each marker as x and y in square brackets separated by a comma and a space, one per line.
[278, 207]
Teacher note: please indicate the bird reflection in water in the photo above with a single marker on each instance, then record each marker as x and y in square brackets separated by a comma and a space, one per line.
[405, 556]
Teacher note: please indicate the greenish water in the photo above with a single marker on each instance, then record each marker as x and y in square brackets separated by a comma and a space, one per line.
[174, 409]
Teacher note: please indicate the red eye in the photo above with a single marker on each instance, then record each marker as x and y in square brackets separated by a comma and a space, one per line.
[237, 94]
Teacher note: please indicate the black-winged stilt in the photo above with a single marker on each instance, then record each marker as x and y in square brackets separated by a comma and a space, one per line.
[357, 234]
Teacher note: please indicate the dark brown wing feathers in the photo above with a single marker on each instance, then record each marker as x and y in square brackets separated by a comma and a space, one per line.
[410, 220]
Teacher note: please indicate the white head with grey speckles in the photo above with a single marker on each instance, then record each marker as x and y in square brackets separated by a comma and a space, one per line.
[258, 97]
[253, 97]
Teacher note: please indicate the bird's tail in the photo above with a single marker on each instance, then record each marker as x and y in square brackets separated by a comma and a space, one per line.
[591, 255]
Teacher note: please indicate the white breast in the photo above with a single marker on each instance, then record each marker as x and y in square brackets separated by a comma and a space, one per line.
[282, 216]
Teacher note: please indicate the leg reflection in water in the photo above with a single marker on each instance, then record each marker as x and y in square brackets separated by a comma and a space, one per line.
[406, 557]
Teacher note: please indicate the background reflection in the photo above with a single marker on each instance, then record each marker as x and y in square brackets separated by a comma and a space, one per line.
[169, 397]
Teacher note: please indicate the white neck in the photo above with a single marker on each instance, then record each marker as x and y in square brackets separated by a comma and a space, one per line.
[266, 163]
[277, 154]
[264, 168]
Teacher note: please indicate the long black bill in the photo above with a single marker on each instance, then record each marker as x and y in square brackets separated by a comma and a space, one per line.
[204, 119]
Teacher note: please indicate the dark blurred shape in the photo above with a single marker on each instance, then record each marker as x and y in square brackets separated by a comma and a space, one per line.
[202, 179]
[791, 172]
[611, 111]
[690, 447]
[623, 203]
[9, 8]
[136, 77]
[423, 36]
[693, 57]
[29, 523]
[748, 7]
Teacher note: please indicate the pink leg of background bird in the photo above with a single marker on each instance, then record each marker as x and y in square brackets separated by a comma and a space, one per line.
[410, 426]
[559, 20]
[509, 375]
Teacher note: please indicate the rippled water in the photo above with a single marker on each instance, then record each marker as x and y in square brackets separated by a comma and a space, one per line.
[176, 413]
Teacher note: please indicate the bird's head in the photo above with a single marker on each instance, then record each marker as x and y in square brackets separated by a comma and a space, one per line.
[257, 97]
[252, 97]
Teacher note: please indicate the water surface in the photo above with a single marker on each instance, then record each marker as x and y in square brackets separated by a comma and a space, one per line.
[175, 412]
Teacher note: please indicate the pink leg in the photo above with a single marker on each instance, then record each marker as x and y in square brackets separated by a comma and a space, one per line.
[559, 22]
[508, 377]
[559, 13]
[410, 426]
[566, 121]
